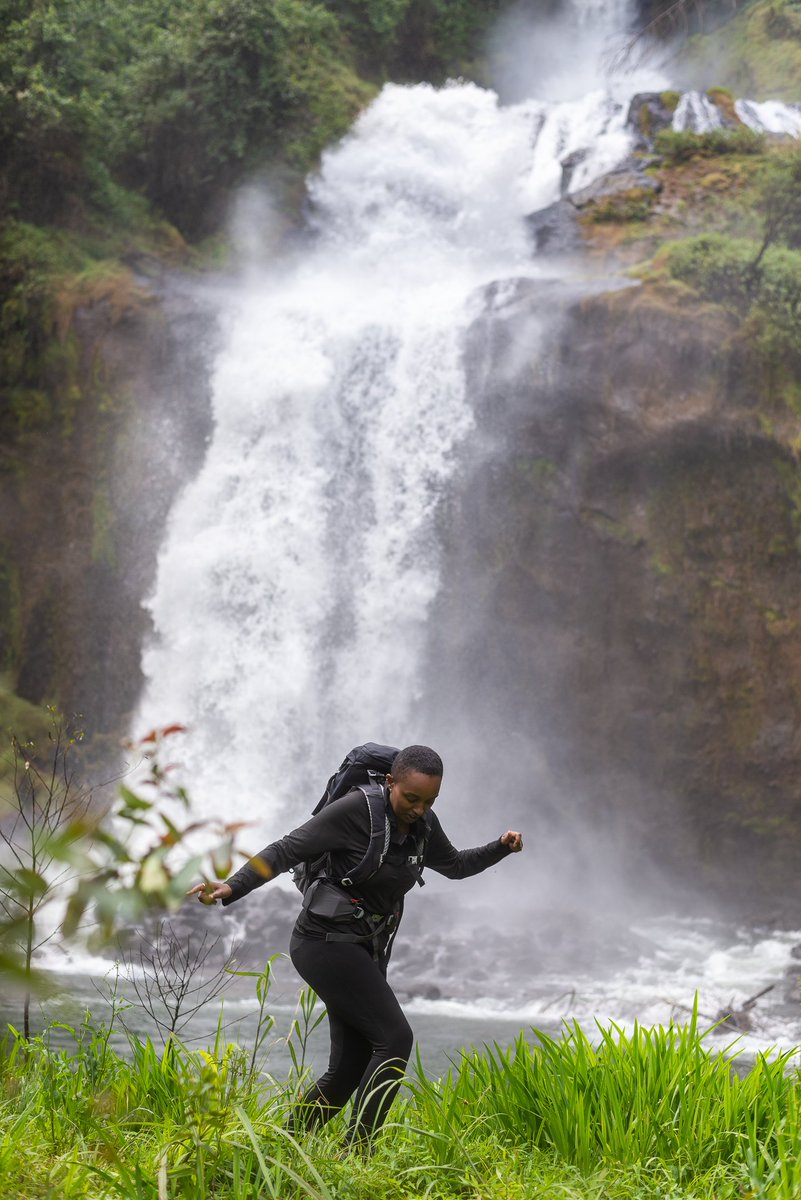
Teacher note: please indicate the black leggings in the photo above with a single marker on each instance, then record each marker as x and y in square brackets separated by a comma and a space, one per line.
[370, 1038]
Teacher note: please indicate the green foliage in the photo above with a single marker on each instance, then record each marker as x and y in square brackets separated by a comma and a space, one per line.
[783, 20]
[452, 29]
[414, 38]
[60, 844]
[224, 89]
[634, 204]
[715, 265]
[778, 193]
[655, 1096]
[678, 147]
[179, 100]
[654, 1113]
[31, 259]
[372, 24]
[756, 53]
[760, 279]
[736, 272]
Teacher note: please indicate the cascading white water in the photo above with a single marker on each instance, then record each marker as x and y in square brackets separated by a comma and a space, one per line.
[299, 568]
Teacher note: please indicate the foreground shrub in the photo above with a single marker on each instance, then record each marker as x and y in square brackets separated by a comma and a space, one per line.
[716, 265]
[657, 1095]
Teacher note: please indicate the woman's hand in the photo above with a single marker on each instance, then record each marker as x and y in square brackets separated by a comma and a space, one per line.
[210, 893]
[513, 840]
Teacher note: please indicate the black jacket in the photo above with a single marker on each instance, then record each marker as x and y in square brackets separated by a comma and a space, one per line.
[342, 830]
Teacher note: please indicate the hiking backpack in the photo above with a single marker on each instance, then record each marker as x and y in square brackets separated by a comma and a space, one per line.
[365, 768]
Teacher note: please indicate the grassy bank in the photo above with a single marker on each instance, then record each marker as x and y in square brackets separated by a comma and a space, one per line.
[653, 1113]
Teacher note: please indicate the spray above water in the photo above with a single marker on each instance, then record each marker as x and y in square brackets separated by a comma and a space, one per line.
[299, 567]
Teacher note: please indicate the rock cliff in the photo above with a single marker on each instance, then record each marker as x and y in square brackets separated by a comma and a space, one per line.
[624, 581]
[84, 499]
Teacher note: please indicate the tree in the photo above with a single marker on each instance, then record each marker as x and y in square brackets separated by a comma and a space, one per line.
[175, 974]
[106, 866]
[779, 201]
[45, 807]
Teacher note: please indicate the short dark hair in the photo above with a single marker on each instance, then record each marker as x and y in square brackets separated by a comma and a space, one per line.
[416, 758]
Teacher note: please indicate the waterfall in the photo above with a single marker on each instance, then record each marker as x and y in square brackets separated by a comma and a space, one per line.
[299, 567]
[298, 570]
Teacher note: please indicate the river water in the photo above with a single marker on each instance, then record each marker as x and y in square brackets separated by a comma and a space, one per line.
[473, 976]
[300, 568]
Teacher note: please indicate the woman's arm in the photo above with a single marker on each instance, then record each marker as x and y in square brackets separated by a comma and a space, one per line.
[442, 855]
[339, 826]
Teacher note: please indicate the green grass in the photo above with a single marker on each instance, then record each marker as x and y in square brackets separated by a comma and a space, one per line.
[652, 1113]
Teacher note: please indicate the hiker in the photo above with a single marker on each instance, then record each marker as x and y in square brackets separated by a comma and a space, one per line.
[343, 936]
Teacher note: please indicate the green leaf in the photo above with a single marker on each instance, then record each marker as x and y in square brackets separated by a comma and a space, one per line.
[152, 877]
[134, 802]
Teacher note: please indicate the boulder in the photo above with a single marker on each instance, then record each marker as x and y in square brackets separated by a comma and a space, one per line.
[648, 114]
[629, 177]
[555, 229]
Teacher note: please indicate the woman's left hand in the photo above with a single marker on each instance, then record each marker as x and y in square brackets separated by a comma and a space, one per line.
[513, 840]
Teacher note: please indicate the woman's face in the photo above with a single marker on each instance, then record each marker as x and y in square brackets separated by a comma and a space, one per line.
[412, 795]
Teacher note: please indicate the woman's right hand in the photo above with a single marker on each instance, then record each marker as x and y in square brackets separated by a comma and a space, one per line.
[210, 893]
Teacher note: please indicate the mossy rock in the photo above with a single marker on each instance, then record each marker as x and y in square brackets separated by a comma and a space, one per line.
[21, 719]
[634, 204]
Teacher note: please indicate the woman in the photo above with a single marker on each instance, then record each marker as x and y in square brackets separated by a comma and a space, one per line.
[342, 939]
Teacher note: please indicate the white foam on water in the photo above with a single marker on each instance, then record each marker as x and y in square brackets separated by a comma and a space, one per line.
[678, 959]
[697, 113]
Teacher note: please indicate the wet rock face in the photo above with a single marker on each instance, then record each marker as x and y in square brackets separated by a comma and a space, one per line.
[83, 503]
[625, 180]
[555, 229]
[623, 575]
[649, 113]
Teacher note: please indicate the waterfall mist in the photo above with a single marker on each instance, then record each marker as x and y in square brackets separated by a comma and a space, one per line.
[299, 567]
[568, 55]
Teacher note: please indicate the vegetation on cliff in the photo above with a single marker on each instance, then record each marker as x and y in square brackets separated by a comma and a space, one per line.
[690, 504]
[124, 127]
[176, 101]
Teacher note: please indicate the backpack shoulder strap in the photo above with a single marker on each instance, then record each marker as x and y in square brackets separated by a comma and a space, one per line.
[418, 858]
[378, 844]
